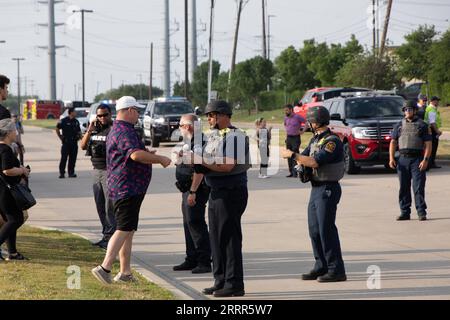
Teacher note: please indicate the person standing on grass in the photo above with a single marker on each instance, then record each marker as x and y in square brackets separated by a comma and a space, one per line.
[129, 171]
[12, 173]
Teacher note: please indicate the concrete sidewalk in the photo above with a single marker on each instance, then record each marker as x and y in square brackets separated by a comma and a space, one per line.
[413, 256]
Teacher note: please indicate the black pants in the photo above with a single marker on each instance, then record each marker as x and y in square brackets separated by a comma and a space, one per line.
[104, 205]
[264, 153]
[408, 168]
[225, 210]
[198, 248]
[293, 143]
[13, 217]
[322, 228]
[435, 144]
[68, 150]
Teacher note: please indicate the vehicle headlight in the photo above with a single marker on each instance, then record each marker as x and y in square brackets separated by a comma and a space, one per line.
[160, 121]
[359, 133]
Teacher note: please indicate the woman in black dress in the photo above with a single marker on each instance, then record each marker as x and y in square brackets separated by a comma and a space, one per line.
[12, 172]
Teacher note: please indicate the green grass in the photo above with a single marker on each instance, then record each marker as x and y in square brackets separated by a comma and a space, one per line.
[47, 124]
[272, 116]
[44, 276]
[445, 115]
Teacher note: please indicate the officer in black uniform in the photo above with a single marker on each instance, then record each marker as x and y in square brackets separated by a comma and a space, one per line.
[225, 163]
[325, 155]
[71, 133]
[412, 136]
[195, 194]
[94, 142]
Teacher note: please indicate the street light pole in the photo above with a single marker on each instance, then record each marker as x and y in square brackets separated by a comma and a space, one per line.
[18, 82]
[211, 36]
[82, 51]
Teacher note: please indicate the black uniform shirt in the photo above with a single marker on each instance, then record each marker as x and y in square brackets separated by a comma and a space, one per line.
[70, 129]
[4, 113]
[7, 161]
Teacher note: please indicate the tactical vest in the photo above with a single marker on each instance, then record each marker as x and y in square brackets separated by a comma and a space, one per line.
[328, 171]
[97, 148]
[410, 136]
[216, 147]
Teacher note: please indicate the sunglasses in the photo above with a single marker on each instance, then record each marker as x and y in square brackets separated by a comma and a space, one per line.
[102, 115]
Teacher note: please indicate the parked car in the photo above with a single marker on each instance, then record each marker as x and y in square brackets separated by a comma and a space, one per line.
[316, 97]
[364, 124]
[412, 91]
[162, 119]
[82, 115]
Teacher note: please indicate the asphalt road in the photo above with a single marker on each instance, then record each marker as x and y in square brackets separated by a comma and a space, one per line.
[413, 257]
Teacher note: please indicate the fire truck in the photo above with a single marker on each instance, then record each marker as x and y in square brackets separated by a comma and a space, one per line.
[42, 109]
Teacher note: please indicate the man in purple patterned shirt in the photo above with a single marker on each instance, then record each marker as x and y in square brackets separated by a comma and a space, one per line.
[129, 167]
[293, 124]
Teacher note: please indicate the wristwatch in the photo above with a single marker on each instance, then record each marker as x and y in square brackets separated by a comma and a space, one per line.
[426, 159]
[192, 192]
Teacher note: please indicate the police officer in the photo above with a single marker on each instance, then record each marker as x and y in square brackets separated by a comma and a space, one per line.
[94, 142]
[71, 133]
[225, 163]
[325, 155]
[411, 135]
[195, 194]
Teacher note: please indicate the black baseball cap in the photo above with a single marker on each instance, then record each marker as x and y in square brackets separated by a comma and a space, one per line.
[435, 98]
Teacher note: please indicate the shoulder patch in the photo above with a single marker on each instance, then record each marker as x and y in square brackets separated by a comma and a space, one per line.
[330, 146]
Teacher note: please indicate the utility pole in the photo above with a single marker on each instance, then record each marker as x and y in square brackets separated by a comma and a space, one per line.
[264, 47]
[82, 52]
[186, 48]
[235, 42]
[51, 48]
[385, 28]
[268, 34]
[32, 87]
[111, 83]
[193, 38]
[373, 27]
[18, 83]
[166, 82]
[211, 38]
[150, 86]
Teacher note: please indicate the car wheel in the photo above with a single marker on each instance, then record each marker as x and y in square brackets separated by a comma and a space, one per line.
[154, 140]
[350, 166]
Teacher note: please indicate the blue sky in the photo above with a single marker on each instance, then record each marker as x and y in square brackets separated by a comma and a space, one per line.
[118, 36]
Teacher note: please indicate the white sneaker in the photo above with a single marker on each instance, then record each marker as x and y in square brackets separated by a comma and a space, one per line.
[101, 275]
[263, 176]
[124, 278]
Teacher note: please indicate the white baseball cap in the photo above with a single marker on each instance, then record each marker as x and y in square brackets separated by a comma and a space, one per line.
[128, 102]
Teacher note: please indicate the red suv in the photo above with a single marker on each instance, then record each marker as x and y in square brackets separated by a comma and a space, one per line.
[316, 97]
[364, 124]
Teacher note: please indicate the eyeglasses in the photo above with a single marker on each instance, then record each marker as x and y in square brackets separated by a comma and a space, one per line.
[184, 125]
[102, 115]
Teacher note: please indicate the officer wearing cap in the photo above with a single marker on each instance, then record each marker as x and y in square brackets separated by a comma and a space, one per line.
[411, 135]
[325, 155]
[421, 105]
[225, 163]
[434, 120]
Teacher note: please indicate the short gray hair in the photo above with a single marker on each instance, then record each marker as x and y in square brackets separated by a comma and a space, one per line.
[6, 126]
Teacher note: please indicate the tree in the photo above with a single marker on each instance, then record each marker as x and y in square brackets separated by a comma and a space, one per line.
[438, 73]
[251, 77]
[135, 90]
[414, 57]
[368, 71]
[199, 85]
[290, 69]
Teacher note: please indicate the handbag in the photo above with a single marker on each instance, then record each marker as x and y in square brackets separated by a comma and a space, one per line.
[21, 194]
